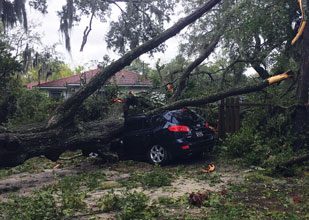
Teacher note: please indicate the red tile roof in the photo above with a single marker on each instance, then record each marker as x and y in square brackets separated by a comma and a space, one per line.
[31, 85]
[122, 78]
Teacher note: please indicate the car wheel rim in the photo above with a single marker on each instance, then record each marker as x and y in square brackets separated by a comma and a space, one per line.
[157, 154]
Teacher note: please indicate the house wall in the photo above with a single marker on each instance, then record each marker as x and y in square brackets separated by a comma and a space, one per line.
[67, 92]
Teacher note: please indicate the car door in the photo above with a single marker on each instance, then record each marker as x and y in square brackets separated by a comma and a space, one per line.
[138, 136]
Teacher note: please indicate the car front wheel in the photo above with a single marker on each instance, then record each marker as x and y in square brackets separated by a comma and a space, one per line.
[157, 154]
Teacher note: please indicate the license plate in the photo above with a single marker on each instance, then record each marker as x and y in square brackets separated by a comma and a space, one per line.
[199, 134]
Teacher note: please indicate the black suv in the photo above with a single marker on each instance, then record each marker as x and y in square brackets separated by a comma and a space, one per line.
[161, 138]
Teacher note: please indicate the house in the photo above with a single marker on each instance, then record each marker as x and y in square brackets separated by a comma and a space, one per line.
[125, 80]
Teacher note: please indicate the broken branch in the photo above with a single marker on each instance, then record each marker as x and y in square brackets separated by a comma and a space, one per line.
[221, 95]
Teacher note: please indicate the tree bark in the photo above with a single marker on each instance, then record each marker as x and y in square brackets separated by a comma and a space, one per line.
[301, 113]
[185, 76]
[65, 113]
[16, 147]
[221, 95]
[303, 83]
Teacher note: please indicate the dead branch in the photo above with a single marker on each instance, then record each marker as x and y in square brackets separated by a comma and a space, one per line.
[87, 32]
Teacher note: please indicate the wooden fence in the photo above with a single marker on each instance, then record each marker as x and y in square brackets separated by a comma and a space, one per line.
[229, 114]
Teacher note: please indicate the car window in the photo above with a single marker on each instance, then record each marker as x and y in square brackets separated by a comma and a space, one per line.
[157, 120]
[136, 123]
[184, 116]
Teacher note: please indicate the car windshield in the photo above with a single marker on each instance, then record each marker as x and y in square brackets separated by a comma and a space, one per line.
[183, 116]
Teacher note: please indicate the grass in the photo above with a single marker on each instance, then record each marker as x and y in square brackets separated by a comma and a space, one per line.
[40, 205]
[62, 199]
[171, 202]
[257, 196]
[157, 177]
[39, 164]
[129, 205]
[211, 178]
[34, 165]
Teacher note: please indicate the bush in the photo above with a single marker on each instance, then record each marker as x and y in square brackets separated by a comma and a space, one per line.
[32, 106]
[93, 108]
[262, 140]
[97, 106]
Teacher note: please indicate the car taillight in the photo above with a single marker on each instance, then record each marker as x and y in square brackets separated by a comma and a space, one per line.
[186, 147]
[179, 128]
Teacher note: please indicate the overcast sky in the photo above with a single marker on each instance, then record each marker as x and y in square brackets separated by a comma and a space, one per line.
[95, 48]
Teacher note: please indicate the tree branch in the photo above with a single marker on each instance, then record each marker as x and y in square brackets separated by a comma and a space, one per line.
[184, 78]
[65, 113]
[221, 95]
[87, 32]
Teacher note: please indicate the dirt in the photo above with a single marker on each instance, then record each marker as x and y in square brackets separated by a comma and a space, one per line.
[25, 183]
[260, 193]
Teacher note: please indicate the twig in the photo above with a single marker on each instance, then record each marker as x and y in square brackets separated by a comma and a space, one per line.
[87, 32]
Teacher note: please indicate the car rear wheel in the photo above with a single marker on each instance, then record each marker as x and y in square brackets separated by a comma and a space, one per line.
[157, 154]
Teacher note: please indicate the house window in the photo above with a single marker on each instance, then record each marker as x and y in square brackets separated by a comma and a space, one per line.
[56, 94]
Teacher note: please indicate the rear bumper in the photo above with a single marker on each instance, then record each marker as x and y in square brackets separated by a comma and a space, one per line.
[194, 148]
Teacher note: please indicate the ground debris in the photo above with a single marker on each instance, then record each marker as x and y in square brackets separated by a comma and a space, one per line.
[197, 199]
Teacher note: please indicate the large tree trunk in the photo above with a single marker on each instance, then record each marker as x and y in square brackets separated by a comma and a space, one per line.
[185, 76]
[302, 112]
[303, 83]
[16, 147]
[65, 113]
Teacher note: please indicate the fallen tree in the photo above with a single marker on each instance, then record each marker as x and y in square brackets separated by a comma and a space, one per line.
[60, 133]
[16, 147]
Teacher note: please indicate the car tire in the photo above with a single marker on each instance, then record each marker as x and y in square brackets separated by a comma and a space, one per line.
[157, 154]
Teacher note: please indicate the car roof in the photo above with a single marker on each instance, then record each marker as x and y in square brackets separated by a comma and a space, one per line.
[140, 116]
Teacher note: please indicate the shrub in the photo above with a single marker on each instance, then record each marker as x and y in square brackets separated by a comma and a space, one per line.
[96, 106]
[262, 140]
[32, 106]
[93, 108]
